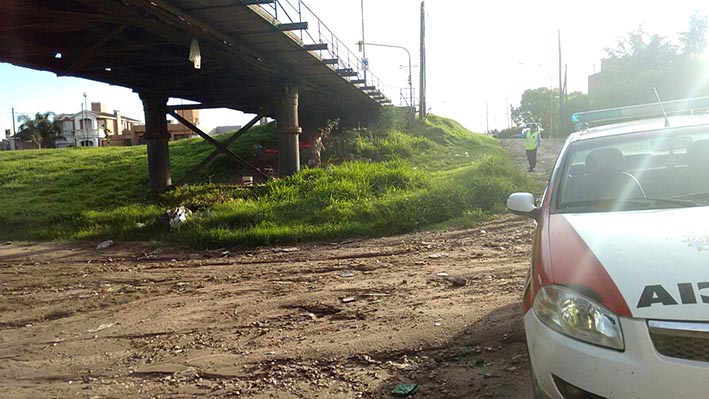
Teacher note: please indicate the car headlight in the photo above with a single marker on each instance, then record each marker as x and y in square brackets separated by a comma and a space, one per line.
[571, 313]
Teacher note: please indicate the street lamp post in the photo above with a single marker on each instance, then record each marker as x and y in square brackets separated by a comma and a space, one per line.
[86, 130]
[408, 54]
[364, 53]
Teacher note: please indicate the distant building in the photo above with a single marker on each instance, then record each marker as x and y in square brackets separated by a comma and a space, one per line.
[98, 128]
[91, 128]
[7, 143]
[177, 130]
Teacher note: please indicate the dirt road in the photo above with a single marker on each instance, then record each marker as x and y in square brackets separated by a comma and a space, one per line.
[335, 320]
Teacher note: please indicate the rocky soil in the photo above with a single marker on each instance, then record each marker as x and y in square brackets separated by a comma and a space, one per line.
[349, 319]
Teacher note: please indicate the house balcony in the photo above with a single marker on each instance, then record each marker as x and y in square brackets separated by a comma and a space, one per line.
[80, 134]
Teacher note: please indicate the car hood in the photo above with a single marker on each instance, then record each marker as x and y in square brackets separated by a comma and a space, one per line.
[658, 261]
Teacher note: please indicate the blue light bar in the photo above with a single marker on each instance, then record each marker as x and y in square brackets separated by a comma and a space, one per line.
[642, 111]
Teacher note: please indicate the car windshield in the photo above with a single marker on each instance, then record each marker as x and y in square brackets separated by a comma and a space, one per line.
[649, 170]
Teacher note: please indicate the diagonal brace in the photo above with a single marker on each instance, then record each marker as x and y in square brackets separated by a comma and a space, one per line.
[221, 147]
[89, 55]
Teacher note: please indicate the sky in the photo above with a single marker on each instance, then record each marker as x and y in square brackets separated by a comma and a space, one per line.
[479, 53]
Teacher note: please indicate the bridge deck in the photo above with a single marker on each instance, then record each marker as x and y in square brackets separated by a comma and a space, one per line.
[144, 45]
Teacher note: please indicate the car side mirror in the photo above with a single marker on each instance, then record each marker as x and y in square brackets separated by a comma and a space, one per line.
[523, 204]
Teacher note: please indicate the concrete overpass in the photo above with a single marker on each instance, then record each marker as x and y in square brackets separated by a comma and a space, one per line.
[265, 57]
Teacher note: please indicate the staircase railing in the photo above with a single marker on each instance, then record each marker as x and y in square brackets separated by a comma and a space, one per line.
[336, 54]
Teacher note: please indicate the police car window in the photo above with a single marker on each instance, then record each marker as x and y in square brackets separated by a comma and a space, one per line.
[636, 171]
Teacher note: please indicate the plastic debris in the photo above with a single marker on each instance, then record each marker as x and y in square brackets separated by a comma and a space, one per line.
[346, 274]
[442, 274]
[174, 218]
[309, 315]
[292, 249]
[348, 299]
[101, 327]
[405, 389]
[195, 54]
[438, 255]
[104, 244]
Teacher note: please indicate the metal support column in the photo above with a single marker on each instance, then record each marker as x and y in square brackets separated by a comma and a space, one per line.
[157, 138]
[287, 131]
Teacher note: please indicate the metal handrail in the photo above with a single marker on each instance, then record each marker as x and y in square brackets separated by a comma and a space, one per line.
[336, 49]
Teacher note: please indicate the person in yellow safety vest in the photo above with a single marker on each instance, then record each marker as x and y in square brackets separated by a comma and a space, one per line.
[533, 139]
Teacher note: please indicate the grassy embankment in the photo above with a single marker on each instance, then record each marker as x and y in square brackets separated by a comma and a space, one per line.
[437, 173]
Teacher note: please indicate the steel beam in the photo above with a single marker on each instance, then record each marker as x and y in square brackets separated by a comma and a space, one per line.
[220, 148]
[89, 55]
[315, 47]
[293, 26]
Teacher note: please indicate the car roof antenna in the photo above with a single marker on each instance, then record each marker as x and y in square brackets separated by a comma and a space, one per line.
[662, 107]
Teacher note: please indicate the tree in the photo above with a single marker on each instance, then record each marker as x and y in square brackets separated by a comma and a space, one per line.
[538, 106]
[641, 62]
[40, 129]
[694, 40]
[628, 46]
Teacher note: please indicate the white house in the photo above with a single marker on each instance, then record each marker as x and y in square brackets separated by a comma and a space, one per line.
[91, 128]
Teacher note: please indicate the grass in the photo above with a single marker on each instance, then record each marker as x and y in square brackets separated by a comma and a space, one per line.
[395, 180]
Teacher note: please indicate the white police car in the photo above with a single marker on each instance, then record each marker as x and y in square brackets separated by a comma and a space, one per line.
[617, 299]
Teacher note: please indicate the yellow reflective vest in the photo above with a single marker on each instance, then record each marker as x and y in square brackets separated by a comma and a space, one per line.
[532, 140]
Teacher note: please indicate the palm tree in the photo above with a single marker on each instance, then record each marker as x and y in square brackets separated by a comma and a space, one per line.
[39, 129]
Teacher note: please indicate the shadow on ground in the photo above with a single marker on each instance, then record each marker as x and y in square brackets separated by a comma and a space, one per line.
[488, 360]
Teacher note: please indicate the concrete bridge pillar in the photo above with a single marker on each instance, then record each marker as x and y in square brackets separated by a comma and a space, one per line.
[287, 131]
[157, 138]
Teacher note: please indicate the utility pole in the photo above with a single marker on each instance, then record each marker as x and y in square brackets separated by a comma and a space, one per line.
[411, 89]
[562, 122]
[83, 126]
[13, 122]
[364, 53]
[487, 118]
[86, 129]
[422, 69]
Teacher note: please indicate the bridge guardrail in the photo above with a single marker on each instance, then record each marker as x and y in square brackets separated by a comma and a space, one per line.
[296, 11]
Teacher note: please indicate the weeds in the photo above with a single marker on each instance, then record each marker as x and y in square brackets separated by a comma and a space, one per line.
[375, 182]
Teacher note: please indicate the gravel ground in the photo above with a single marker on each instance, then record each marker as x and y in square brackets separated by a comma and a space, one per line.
[349, 319]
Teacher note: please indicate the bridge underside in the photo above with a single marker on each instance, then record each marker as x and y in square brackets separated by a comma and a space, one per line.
[249, 61]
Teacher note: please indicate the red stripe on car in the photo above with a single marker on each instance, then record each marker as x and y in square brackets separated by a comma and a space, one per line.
[573, 264]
